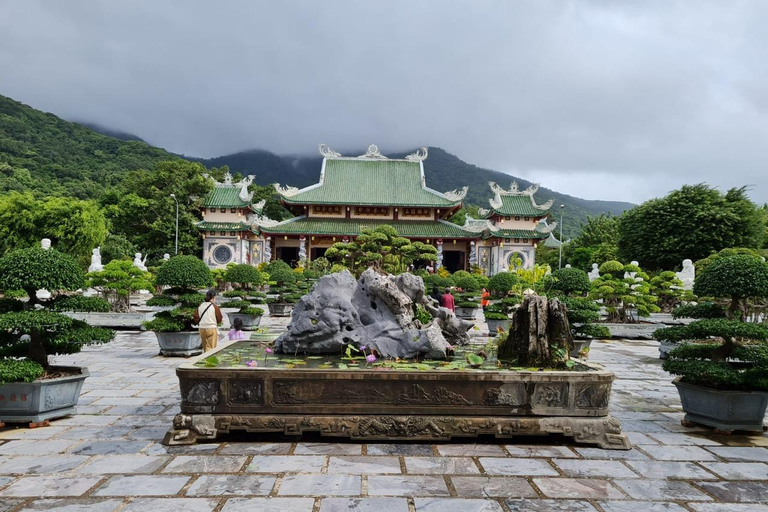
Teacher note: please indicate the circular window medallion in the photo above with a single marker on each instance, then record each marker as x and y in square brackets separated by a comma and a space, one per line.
[222, 254]
[516, 259]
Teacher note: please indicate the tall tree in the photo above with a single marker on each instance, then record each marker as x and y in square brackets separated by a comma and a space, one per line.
[661, 233]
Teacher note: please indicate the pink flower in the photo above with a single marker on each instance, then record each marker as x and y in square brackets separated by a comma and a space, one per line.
[370, 358]
[269, 350]
[449, 347]
[251, 363]
[362, 347]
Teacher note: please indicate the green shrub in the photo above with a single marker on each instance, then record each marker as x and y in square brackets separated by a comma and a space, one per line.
[244, 275]
[502, 283]
[467, 283]
[80, 303]
[191, 300]
[162, 301]
[164, 323]
[703, 310]
[310, 274]
[15, 294]
[613, 267]
[467, 304]
[19, 370]
[186, 272]
[36, 268]
[251, 311]
[735, 277]
[421, 314]
[235, 293]
[569, 281]
[745, 368]
[283, 276]
[592, 331]
[492, 315]
[442, 283]
[713, 328]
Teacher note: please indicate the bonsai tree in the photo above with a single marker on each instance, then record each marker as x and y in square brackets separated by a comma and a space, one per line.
[621, 295]
[117, 281]
[245, 276]
[36, 268]
[80, 303]
[501, 284]
[723, 353]
[668, 289]
[570, 285]
[569, 281]
[184, 274]
[467, 283]
[27, 335]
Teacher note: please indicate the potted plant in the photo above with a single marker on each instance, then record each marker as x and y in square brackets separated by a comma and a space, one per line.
[668, 340]
[497, 318]
[501, 284]
[117, 281]
[723, 364]
[174, 329]
[284, 289]
[35, 390]
[625, 298]
[247, 312]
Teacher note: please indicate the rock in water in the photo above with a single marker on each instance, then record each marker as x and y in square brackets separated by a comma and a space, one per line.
[540, 335]
[377, 311]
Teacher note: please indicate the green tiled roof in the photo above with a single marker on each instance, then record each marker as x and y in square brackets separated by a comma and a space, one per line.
[225, 197]
[222, 226]
[353, 227]
[371, 182]
[519, 233]
[519, 205]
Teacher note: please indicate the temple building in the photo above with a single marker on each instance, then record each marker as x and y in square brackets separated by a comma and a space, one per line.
[367, 191]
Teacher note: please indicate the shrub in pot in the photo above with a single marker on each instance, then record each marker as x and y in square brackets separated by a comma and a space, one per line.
[722, 367]
[244, 276]
[669, 290]
[247, 312]
[625, 299]
[501, 284]
[117, 281]
[284, 278]
[174, 329]
[80, 304]
[466, 306]
[36, 390]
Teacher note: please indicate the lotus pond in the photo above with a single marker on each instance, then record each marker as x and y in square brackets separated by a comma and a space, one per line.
[470, 358]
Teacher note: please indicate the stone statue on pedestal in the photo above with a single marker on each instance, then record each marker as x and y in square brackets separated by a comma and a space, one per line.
[687, 275]
[96, 265]
[166, 257]
[44, 294]
[594, 273]
[139, 263]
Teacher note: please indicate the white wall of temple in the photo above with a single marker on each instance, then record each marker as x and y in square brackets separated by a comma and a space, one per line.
[226, 216]
[219, 251]
[512, 223]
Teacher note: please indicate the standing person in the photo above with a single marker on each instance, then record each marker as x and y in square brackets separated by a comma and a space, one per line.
[208, 317]
[437, 296]
[447, 300]
[485, 299]
[236, 333]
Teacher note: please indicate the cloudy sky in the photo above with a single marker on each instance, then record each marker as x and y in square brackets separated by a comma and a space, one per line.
[601, 99]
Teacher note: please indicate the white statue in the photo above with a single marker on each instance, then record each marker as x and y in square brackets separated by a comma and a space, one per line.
[45, 243]
[139, 263]
[44, 294]
[166, 257]
[631, 275]
[687, 275]
[96, 265]
[567, 265]
[439, 255]
[594, 273]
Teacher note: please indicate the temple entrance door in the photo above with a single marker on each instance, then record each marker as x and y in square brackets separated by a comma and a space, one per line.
[453, 260]
[290, 255]
[318, 252]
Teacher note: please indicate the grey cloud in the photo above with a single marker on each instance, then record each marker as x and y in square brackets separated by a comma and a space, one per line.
[600, 99]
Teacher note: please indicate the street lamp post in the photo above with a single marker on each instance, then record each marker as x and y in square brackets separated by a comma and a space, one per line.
[177, 222]
[560, 258]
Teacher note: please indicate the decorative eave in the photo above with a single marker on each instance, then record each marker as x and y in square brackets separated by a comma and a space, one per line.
[497, 202]
[222, 226]
[227, 194]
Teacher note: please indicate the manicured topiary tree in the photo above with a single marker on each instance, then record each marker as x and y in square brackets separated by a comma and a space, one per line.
[185, 272]
[621, 295]
[467, 283]
[737, 278]
[244, 275]
[28, 335]
[669, 290]
[36, 268]
[117, 281]
[570, 281]
[502, 283]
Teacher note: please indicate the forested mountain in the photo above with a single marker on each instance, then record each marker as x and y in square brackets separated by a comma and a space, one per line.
[443, 172]
[46, 155]
[42, 153]
[109, 132]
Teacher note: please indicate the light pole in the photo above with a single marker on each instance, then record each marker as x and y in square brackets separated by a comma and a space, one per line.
[560, 259]
[177, 223]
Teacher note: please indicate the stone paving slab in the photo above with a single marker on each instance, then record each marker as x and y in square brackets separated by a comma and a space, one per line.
[109, 457]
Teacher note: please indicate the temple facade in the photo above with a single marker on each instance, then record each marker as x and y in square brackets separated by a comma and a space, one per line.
[367, 191]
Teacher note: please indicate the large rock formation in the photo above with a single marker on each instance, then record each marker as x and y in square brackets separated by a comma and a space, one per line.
[376, 311]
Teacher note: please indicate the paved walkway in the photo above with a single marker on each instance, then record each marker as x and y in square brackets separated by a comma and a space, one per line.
[109, 457]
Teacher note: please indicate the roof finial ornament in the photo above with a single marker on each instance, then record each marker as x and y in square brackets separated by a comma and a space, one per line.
[456, 194]
[327, 152]
[419, 155]
[286, 191]
[228, 179]
[514, 189]
[372, 152]
[244, 195]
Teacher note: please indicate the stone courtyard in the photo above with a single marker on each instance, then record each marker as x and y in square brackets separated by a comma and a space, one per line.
[109, 456]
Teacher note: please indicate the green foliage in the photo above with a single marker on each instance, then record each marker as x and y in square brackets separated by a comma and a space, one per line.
[591, 331]
[740, 276]
[421, 314]
[321, 264]
[185, 272]
[19, 370]
[622, 295]
[570, 281]
[613, 267]
[743, 368]
[80, 303]
[442, 283]
[502, 283]
[190, 300]
[596, 243]
[165, 323]
[492, 315]
[669, 290]
[251, 311]
[244, 275]
[310, 274]
[34, 268]
[467, 283]
[235, 293]
[467, 304]
[703, 310]
[74, 226]
[118, 280]
[117, 247]
[162, 301]
[283, 276]
[663, 232]
[713, 327]
[704, 263]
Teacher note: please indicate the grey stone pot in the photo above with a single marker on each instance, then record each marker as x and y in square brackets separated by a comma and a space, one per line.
[637, 331]
[249, 321]
[579, 345]
[184, 343]
[114, 320]
[280, 309]
[42, 400]
[665, 347]
[466, 313]
[493, 326]
[723, 410]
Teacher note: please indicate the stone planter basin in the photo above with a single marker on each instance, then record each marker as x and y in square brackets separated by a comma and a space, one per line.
[40, 400]
[249, 321]
[578, 346]
[466, 313]
[392, 404]
[280, 309]
[637, 331]
[494, 325]
[114, 320]
[184, 344]
[724, 410]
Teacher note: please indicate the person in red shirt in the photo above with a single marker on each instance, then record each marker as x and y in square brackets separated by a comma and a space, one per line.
[447, 300]
[485, 299]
